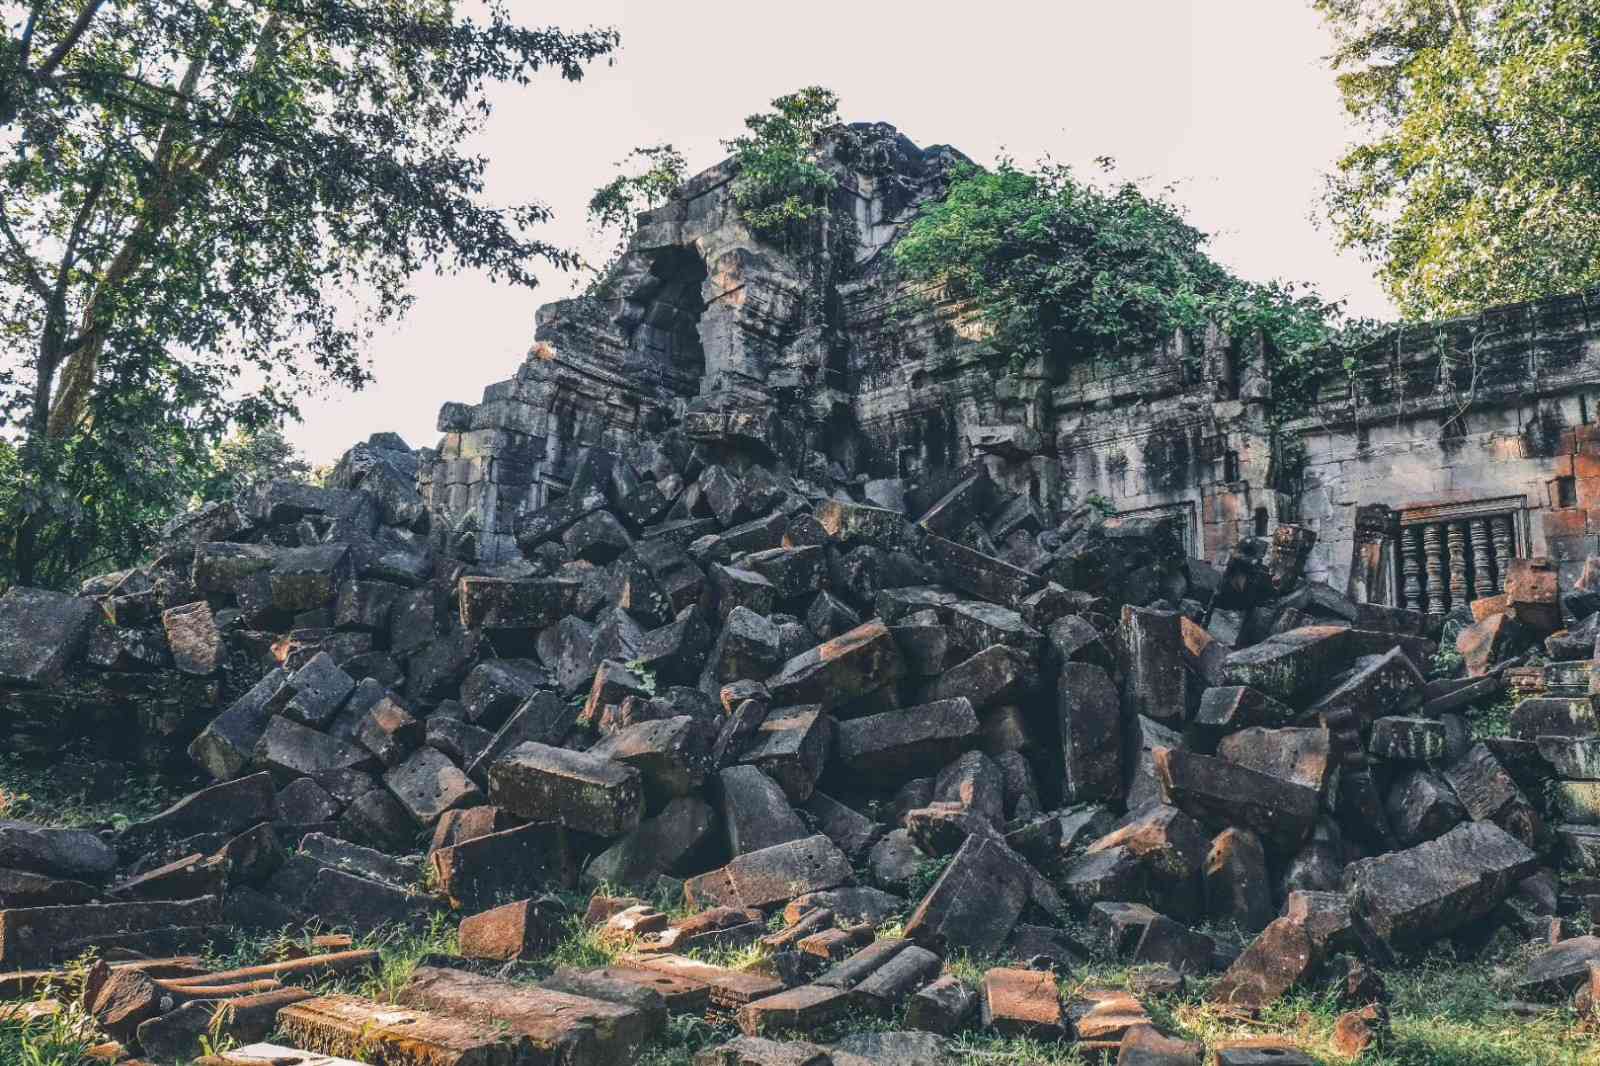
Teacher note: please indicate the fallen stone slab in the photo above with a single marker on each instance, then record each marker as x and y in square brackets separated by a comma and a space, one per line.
[1428, 891]
[516, 603]
[549, 1025]
[520, 930]
[510, 864]
[579, 790]
[851, 903]
[772, 875]
[726, 989]
[1490, 794]
[909, 741]
[194, 638]
[981, 575]
[40, 633]
[760, 1051]
[889, 985]
[1022, 1003]
[350, 1026]
[1157, 684]
[944, 1006]
[791, 747]
[181, 1035]
[1221, 794]
[225, 748]
[854, 663]
[39, 936]
[427, 784]
[1290, 666]
[66, 853]
[894, 1048]
[676, 995]
[1091, 733]
[664, 844]
[1299, 755]
[1261, 1051]
[1561, 968]
[291, 750]
[544, 718]
[1101, 1017]
[975, 902]
[1281, 956]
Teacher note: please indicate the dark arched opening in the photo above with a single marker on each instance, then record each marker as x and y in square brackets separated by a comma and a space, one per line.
[662, 316]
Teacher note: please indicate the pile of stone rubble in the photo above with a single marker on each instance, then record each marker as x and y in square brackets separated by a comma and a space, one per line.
[932, 706]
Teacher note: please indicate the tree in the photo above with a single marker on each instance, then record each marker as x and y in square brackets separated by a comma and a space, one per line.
[206, 206]
[781, 184]
[249, 456]
[650, 174]
[1477, 180]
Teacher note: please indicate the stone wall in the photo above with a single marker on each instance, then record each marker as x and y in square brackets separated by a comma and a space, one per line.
[814, 348]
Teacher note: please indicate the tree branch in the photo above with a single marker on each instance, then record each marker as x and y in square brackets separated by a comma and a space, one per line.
[30, 271]
[79, 28]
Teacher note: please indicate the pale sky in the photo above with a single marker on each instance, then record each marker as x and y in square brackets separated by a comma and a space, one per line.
[1230, 98]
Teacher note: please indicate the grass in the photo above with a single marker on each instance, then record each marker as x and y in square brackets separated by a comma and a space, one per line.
[42, 794]
[1442, 1011]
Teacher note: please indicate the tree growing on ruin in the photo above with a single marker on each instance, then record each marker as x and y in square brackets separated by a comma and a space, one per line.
[1476, 180]
[206, 207]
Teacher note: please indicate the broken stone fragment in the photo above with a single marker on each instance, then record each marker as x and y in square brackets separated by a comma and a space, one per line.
[194, 638]
[1490, 794]
[1022, 1003]
[1487, 643]
[68, 853]
[521, 930]
[1301, 756]
[772, 875]
[389, 731]
[997, 674]
[798, 1009]
[291, 750]
[579, 790]
[1420, 807]
[544, 718]
[315, 692]
[514, 863]
[427, 784]
[1282, 956]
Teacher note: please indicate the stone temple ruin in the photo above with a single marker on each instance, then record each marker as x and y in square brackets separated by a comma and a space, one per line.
[765, 608]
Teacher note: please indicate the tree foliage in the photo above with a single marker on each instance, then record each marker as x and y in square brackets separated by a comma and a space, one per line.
[1060, 268]
[781, 184]
[206, 206]
[1477, 180]
[649, 175]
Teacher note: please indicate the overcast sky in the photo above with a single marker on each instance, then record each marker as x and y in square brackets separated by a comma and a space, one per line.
[1230, 98]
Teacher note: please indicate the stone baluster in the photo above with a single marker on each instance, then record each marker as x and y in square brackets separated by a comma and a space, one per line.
[1411, 566]
[1456, 537]
[1502, 550]
[1482, 559]
[1433, 556]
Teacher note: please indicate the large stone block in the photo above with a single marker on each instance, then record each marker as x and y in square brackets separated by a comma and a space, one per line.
[1431, 890]
[976, 901]
[581, 791]
[772, 875]
[1290, 666]
[1157, 684]
[852, 664]
[915, 740]
[1091, 733]
[1221, 793]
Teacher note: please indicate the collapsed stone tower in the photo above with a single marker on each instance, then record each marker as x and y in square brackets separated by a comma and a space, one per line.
[1448, 449]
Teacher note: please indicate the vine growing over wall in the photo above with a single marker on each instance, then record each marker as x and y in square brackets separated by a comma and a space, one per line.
[1063, 267]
